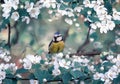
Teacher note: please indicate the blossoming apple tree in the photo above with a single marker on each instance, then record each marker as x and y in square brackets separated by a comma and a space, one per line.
[98, 15]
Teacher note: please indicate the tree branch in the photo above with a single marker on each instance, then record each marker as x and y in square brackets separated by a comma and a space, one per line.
[91, 54]
[16, 36]
[66, 34]
[85, 43]
[9, 32]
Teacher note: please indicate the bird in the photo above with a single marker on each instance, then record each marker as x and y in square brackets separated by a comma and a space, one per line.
[57, 44]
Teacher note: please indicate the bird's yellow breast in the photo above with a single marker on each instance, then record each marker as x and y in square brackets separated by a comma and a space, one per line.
[56, 47]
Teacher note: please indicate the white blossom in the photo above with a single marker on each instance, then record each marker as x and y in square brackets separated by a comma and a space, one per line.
[56, 72]
[111, 75]
[15, 16]
[116, 15]
[29, 6]
[26, 19]
[93, 26]
[34, 12]
[110, 57]
[117, 41]
[78, 9]
[6, 15]
[48, 3]
[69, 21]
[8, 5]
[2, 75]
[64, 63]
[91, 68]
[97, 76]
[77, 24]
[110, 25]
[33, 59]
[44, 80]
[87, 3]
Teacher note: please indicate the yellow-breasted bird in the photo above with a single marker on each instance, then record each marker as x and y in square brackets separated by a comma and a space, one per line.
[57, 44]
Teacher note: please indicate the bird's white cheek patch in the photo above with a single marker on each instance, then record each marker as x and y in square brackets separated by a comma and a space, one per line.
[59, 38]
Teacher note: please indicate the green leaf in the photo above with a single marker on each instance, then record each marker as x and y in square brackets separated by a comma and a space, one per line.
[67, 0]
[108, 5]
[41, 74]
[9, 81]
[116, 21]
[66, 77]
[63, 6]
[77, 74]
[94, 35]
[24, 1]
[4, 22]
[93, 19]
[58, 1]
[21, 70]
[63, 70]
[97, 82]
[116, 80]
[36, 66]
[77, 65]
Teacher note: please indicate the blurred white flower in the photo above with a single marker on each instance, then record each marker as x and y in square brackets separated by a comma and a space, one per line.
[97, 76]
[6, 15]
[27, 64]
[93, 26]
[91, 68]
[101, 10]
[0, 81]
[108, 81]
[111, 75]
[69, 21]
[8, 5]
[89, 12]
[12, 67]
[15, 16]
[64, 63]
[34, 12]
[26, 19]
[77, 24]
[117, 41]
[48, 3]
[33, 59]
[59, 55]
[6, 59]
[44, 80]
[116, 15]
[110, 25]
[110, 57]
[32, 81]
[87, 3]
[56, 72]
[2, 75]
[29, 6]
[78, 9]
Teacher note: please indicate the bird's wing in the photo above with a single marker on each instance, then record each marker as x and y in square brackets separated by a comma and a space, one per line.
[50, 43]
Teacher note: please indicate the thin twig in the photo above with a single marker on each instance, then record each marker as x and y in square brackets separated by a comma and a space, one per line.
[56, 80]
[66, 34]
[9, 32]
[15, 39]
[86, 41]
[91, 54]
